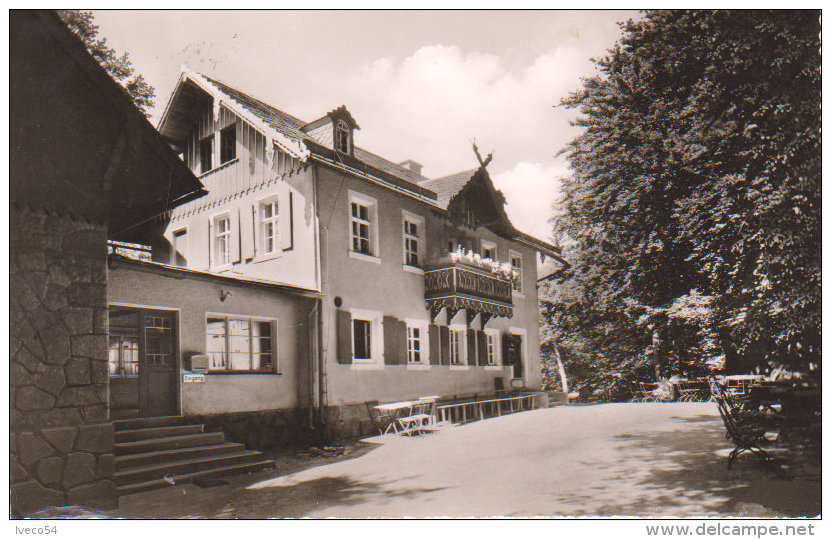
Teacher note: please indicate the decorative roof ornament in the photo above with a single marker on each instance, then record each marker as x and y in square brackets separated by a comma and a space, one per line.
[479, 203]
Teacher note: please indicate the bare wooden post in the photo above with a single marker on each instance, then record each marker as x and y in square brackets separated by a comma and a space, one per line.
[656, 358]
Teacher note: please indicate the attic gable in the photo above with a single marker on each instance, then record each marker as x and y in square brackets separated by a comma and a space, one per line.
[334, 130]
[195, 87]
[479, 203]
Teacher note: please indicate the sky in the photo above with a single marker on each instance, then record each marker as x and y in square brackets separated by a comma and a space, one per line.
[422, 85]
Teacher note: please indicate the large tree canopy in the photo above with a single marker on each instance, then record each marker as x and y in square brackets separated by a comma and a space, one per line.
[120, 68]
[693, 208]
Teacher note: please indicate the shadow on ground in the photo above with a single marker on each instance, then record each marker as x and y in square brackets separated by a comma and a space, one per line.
[687, 468]
[299, 500]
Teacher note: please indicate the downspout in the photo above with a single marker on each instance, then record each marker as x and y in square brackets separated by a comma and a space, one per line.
[322, 384]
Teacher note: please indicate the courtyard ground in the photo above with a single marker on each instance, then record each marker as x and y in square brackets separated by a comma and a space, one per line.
[651, 459]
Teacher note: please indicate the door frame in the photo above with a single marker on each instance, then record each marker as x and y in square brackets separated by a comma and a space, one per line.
[177, 369]
[523, 352]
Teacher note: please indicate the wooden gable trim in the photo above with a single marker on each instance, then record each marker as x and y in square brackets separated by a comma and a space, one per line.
[294, 148]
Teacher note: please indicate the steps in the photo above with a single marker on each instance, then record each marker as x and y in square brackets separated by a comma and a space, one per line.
[155, 452]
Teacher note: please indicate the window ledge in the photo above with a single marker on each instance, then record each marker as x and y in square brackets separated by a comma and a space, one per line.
[265, 258]
[360, 366]
[223, 165]
[412, 269]
[494, 367]
[459, 367]
[361, 256]
[220, 269]
[418, 366]
[267, 373]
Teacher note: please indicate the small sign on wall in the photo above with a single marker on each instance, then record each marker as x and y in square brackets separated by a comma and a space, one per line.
[193, 378]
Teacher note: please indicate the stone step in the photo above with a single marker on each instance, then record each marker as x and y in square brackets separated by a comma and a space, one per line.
[169, 442]
[125, 462]
[158, 471]
[154, 484]
[147, 422]
[135, 435]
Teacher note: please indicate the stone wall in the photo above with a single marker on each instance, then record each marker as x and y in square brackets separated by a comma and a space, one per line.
[349, 420]
[61, 444]
[262, 429]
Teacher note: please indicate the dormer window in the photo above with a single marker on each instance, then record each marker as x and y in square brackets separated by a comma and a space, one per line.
[342, 137]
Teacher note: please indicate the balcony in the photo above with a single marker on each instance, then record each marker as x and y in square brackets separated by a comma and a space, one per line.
[456, 285]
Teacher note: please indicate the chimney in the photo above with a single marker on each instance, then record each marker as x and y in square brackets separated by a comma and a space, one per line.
[411, 165]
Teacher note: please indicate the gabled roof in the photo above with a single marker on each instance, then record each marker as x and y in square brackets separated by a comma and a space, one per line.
[477, 182]
[79, 145]
[446, 187]
[292, 127]
[438, 191]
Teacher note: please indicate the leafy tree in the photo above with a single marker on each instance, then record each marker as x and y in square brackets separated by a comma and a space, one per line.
[693, 209]
[120, 68]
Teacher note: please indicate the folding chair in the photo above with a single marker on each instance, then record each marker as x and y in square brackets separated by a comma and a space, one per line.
[746, 430]
[378, 421]
[421, 417]
[645, 393]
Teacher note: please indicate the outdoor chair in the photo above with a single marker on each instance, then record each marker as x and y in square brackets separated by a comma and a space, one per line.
[645, 393]
[747, 431]
[378, 421]
[421, 417]
[690, 392]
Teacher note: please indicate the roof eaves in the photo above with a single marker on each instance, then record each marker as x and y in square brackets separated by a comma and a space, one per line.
[295, 148]
[188, 272]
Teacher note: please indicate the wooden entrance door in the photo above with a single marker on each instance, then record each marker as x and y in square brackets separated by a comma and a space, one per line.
[158, 364]
[512, 353]
[144, 363]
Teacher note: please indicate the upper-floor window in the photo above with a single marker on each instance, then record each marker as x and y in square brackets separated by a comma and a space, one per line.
[180, 247]
[270, 223]
[413, 236]
[228, 144]
[360, 228]
[341, 136]
[363, 224]
[516, 264]
[222, 240]
[488, 249]
[239, 343]
[206, 154]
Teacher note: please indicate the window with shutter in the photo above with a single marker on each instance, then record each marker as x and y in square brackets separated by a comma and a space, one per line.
[435, 344]
[344, 334]
[482, 348]
[395, 341]
[444, 338]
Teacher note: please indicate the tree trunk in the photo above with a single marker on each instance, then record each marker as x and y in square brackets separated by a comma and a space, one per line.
[563, 380]
[656, 357]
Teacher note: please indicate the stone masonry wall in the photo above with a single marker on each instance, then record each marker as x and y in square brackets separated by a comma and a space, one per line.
[61, 444]
[263, 430]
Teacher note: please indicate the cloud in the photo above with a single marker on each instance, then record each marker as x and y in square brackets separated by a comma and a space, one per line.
[531, 190]
[430, 105]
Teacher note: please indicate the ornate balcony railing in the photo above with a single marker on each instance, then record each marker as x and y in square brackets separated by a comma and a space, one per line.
[455, 286]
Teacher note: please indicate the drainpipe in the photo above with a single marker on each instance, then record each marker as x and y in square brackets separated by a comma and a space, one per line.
[312, 324]
[322, 384]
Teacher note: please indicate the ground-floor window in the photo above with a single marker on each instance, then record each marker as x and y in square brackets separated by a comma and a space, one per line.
[414, 347]
[491, 344]
[362, 338]
[240, 344]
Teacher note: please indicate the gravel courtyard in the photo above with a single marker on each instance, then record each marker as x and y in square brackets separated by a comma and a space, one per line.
[611, 459]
